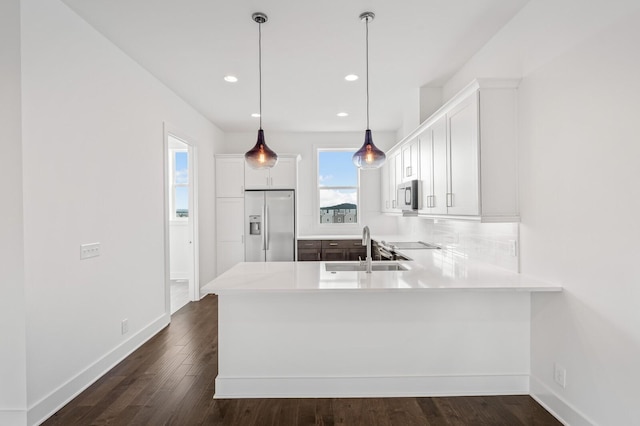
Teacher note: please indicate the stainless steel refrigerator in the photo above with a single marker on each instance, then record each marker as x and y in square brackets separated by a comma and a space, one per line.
[269, 226]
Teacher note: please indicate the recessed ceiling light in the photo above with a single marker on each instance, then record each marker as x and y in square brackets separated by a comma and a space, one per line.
[342, 114]
[351, 77]
[230, 78]
[255, 115]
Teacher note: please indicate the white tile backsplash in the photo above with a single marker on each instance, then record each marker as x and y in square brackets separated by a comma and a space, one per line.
[486, 242]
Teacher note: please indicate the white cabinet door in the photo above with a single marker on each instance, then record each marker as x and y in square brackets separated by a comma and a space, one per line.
[230, 232]
[256, 178]
[397, 181]
[425, 140]
[283, 175]
[395, 177]
[230, 176]
[439, 152]
[229, 254]
[463, 194]
[410, 160]
[385, 198]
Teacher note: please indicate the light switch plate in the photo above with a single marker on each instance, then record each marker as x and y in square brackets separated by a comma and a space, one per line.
[89, 250]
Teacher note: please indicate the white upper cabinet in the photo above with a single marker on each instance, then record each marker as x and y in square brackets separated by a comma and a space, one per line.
[410, 160]
[229, 176]
[462, 125]
[433, 168]
[392, 176]
[395, 178]
[385, 195]
[282, 176]
[468, 155]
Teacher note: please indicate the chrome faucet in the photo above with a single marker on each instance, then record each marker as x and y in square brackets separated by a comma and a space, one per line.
[366, 239]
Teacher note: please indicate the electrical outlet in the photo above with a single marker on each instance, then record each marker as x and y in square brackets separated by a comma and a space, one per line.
[89, 250]
[125, 326]
[513, 248]
[560, 375]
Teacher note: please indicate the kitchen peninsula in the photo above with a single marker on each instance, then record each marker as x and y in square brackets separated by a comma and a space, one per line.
[444, 326]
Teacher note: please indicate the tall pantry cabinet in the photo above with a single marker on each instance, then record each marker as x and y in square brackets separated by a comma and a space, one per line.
[229, 211]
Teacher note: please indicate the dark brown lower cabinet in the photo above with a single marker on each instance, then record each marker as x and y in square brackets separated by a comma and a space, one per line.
[309, 255]
[309, 250]
[331, 250]
[334, 254]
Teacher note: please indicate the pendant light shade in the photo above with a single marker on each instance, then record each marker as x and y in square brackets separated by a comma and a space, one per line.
[260, 156]
[369, 156]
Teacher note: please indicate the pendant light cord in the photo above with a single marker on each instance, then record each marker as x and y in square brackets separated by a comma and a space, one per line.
[367, 58]
[260, 68]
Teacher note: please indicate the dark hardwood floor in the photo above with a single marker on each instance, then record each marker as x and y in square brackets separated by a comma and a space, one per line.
[170, 381]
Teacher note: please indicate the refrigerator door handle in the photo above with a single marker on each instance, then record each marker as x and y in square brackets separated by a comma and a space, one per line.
[266, 227]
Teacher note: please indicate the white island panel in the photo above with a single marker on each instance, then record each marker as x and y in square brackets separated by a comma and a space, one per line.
[445, 326]
[372, 344]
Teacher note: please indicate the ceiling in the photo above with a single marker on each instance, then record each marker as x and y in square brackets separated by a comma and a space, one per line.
[308, 47]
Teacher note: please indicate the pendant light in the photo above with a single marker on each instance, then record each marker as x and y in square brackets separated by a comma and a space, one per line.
[260, 156]
[369, 156]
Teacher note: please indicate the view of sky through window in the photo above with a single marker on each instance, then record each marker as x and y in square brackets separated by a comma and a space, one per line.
[337, 187]
[181, 181]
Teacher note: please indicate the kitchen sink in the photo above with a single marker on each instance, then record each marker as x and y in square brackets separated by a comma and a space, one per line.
[357, 266]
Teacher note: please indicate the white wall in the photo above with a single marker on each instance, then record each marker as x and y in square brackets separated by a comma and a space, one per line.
[93, 171]
[580, 196]
[304, 144]
[13, 378]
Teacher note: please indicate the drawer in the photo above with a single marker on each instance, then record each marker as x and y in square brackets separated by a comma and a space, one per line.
[309, 244]
[305, 254]
[341, 244]
[334, 254]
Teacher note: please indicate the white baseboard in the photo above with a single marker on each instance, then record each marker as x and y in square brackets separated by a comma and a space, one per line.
[558, 407]
[352, 387]
[51, 403]
[13, 417]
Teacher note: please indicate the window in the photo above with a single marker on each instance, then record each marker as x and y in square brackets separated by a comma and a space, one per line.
[337, 187]
[179, 185]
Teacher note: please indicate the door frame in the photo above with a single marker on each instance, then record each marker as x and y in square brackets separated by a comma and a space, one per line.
[194, 287]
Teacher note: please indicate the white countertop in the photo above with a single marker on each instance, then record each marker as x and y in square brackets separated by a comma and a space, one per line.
[330, 237]
[430, 270]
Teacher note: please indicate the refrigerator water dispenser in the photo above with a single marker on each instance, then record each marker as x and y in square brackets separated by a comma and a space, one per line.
[254, 225]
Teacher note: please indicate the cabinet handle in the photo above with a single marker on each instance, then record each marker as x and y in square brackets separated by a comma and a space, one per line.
[267, 178]
[333, 244]
[449, 199]
[318, 255]
[408, 171]
[308, 244]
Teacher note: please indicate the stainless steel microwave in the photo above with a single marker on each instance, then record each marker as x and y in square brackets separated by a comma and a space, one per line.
[409, 195]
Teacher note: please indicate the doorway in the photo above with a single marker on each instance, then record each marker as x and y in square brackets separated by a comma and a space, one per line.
[181, 248]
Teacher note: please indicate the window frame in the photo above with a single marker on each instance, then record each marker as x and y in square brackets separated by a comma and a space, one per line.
[336, 226]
